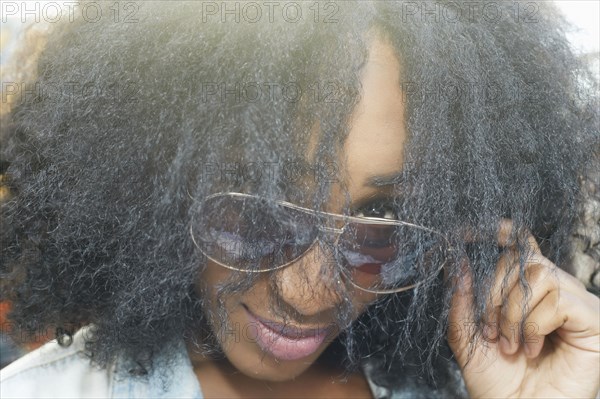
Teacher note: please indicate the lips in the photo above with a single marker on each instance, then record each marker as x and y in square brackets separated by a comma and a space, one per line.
[285, 342]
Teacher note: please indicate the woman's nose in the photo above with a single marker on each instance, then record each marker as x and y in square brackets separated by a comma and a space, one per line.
[310, 285]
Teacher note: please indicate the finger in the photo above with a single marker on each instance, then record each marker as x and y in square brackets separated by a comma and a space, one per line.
[571, 315]
[507, 270]
[568, 307]
[517, 255]
[507, 237]
[461, 319]
[506, 233]
[556, 300]
[534, 342]
[541, 279]
[505, 280]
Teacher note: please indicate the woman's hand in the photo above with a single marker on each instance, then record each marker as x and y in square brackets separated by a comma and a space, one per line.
[561, 353]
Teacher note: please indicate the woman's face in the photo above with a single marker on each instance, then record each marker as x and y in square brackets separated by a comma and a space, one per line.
[373, 149]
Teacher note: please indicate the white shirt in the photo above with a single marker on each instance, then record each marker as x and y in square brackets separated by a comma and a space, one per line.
[53, 371]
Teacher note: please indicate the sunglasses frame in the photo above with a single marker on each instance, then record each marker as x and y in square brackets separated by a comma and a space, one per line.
[336, 231]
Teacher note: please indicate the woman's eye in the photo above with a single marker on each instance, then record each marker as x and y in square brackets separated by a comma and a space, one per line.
[381, 210]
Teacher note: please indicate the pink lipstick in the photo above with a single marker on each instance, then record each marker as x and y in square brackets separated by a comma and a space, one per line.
[285, 342]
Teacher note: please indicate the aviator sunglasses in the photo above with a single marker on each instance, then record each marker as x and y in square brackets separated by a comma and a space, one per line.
[248, 233]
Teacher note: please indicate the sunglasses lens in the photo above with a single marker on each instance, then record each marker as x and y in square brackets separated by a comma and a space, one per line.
[251, 234]
[248, 233]
[385, 258]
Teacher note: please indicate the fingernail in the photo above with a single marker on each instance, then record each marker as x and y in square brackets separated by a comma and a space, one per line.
[489, 333]
[528, 352]
[504, 344]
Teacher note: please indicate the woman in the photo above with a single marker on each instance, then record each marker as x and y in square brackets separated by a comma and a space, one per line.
[329, 199]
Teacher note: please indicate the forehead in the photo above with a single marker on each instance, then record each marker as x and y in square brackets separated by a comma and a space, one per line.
[375, 142]
[373, 146]
[373, 149]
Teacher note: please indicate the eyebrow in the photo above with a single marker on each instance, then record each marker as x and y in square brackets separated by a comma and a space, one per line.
[385, 180]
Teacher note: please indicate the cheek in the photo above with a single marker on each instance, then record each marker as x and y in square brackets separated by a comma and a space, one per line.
[206, 288]
[212, 276]
[361, 301]
[224, 311]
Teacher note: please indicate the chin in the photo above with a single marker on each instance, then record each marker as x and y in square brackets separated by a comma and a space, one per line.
[274, 375]
[261, 366]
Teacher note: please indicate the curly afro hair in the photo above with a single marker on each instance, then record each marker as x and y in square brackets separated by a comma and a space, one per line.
[120, 128]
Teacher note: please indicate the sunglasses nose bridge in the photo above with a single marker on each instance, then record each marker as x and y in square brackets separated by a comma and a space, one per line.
[332, 234]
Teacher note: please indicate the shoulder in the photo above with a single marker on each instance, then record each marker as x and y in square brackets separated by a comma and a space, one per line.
[55, 371]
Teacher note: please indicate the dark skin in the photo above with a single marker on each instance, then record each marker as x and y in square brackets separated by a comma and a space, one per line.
[377, 128]
[221, 379]
[561, 360]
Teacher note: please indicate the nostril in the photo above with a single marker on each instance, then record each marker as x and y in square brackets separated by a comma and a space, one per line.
[309, 287]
